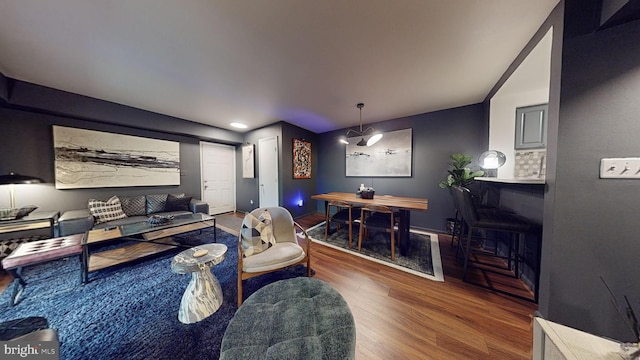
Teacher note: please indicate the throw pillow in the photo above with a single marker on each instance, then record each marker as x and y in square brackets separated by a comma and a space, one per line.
[177, 203]
[104, 211]
[134, 206]
[256, 233]
[156, 203]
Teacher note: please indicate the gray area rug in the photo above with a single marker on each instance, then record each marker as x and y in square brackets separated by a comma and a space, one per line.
[423, 258]
[229, 222]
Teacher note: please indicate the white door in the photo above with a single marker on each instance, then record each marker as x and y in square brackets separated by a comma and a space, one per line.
[268, 171]
[218, 163]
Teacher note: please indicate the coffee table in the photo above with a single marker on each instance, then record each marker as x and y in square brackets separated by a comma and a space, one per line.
[203, 295]
[148, 240]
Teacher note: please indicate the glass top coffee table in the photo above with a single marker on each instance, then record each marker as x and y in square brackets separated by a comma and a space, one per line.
[147, 240]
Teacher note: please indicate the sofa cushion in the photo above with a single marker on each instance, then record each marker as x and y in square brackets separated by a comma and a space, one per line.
[256, 233]
[156, 203]
[104, 211]
[134, 205]
[177, 203]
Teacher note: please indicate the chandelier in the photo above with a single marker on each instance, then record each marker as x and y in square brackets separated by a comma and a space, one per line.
[375, 137]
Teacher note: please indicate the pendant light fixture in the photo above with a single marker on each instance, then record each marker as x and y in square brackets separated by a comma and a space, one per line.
[375, 136]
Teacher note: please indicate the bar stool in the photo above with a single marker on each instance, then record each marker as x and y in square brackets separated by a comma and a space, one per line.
[346, 214]
[493, 220]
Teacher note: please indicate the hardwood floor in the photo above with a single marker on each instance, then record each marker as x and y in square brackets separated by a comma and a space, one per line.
[402, 316]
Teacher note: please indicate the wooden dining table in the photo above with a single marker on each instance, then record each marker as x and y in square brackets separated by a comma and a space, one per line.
[403, 204]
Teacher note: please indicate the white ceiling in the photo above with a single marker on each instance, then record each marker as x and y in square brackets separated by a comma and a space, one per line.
[260, 61]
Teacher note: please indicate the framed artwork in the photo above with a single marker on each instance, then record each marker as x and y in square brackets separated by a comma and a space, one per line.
[248, 166]
[301, 159]
[389, 157]
[91, 159]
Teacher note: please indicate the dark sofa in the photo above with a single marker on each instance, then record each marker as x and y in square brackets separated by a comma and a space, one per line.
[135, 209]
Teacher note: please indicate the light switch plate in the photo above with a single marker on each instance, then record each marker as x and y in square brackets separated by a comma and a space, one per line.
[620, 168]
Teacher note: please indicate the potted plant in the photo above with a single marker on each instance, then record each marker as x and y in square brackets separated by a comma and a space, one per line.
[459, 172]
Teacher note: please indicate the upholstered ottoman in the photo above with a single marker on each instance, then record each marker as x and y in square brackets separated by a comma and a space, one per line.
[300, 318]
[38, 252]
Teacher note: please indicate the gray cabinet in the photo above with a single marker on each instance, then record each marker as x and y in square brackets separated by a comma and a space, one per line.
[531, 127]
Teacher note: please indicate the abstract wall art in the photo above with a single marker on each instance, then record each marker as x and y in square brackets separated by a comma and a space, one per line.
[301, 159]
[91, 159]
[389, 157]
[248, 167]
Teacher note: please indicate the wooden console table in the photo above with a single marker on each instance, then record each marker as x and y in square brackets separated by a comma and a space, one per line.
[33, 221]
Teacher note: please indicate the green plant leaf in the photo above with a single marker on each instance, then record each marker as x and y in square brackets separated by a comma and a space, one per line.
[458, 172]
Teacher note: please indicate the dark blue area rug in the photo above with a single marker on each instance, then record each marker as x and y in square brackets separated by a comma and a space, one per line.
[131, 311]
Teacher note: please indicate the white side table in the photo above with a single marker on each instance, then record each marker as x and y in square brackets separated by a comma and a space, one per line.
[203, 295]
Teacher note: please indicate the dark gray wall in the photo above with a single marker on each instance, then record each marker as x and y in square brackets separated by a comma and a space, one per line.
[294, 189]
[593, 229]
[436, 136]
[247, 190]
[4, 88]
[51, 101]
[27, 141]
[290, 189]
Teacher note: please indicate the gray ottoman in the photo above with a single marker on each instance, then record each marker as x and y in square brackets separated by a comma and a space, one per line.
[299, 318]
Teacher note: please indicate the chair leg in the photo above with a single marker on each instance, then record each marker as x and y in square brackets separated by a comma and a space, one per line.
[327, 223]
[239, 290]
[466, 254]
[360, 237]
[453, 231]
[393, 247]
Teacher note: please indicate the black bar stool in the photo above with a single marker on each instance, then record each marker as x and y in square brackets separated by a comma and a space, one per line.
[516, 229]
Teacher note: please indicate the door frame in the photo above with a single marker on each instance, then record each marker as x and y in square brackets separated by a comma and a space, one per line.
[234, 166]
[260, 172]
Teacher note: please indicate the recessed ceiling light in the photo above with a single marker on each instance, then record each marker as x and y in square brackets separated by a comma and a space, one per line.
[238, 125]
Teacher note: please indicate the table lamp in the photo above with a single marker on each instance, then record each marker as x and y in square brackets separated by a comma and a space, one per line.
[13, 179]
[491, 160]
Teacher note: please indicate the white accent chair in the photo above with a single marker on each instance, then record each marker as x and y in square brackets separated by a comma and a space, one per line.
[284, 253]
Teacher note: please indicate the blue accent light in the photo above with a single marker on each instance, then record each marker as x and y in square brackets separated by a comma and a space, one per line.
[300, 203]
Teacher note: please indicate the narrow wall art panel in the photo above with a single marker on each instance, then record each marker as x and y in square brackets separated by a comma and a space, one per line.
[91, 159]
[248, 154]
[301, 159]
[391, 156]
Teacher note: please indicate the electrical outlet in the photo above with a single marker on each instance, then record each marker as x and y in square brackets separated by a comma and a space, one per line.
[251, 202]
[620, 168]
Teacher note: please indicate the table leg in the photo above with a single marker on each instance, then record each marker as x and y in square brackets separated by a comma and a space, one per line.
[202, 297]
[403, 231]
[84, 263]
